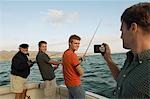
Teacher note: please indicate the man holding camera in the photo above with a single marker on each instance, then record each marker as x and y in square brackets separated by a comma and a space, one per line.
[20, 69]
[133, 80]
[72, 69]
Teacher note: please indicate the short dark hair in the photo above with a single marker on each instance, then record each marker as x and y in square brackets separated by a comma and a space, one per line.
[139, 14]
[23, 46]
[42, 42]
[73, 37]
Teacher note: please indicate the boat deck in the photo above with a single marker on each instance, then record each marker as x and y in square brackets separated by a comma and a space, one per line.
[37, 93]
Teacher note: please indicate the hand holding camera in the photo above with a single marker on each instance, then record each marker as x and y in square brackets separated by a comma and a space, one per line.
[104, 49]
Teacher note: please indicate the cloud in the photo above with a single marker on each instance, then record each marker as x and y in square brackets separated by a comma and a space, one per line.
[56, 16]
[60, 17]
[73, 17]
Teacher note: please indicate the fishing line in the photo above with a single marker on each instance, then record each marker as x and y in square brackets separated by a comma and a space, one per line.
[83, 58]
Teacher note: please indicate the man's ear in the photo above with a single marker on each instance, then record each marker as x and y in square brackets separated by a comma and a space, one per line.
[69, 44]
[134, 27]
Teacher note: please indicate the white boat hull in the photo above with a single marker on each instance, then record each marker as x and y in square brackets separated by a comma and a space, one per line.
[37, 93]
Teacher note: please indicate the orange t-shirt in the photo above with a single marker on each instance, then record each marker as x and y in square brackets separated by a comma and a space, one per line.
[70, 61]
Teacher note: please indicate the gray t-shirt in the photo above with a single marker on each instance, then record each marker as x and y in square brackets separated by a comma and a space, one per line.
[46, 69]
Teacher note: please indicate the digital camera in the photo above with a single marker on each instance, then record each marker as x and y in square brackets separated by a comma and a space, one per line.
[99, 49]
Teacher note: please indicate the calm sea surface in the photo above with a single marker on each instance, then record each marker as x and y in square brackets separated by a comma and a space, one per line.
[97, 77]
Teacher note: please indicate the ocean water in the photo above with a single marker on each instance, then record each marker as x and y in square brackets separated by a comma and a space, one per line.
[97, 77]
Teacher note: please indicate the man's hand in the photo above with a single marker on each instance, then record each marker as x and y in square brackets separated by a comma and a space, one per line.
[55, 63]
[107, 54]
[30, 63]
[81, 59]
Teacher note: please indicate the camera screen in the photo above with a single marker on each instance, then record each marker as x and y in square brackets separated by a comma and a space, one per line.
[97, 48]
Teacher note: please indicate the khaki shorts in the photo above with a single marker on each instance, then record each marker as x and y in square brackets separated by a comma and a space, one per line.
[50, 88]
[17, 84]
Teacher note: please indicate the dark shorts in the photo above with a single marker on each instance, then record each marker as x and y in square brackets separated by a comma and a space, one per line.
[76, 92]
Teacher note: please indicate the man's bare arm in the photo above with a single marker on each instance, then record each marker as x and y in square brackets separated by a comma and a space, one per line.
[54, 62]
[80, 70]
[112, 66]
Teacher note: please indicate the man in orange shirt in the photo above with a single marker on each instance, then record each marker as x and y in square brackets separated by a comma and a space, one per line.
[72, 69]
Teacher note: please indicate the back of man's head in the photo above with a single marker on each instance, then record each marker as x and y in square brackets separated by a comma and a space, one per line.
[139, 14]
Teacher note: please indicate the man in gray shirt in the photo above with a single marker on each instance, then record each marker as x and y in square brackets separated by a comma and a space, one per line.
[47, 71]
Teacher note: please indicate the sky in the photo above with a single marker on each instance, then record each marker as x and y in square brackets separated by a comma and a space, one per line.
[30, 21]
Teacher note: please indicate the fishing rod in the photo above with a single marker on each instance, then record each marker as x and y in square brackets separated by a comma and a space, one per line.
[55, 54]
[83, 58]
